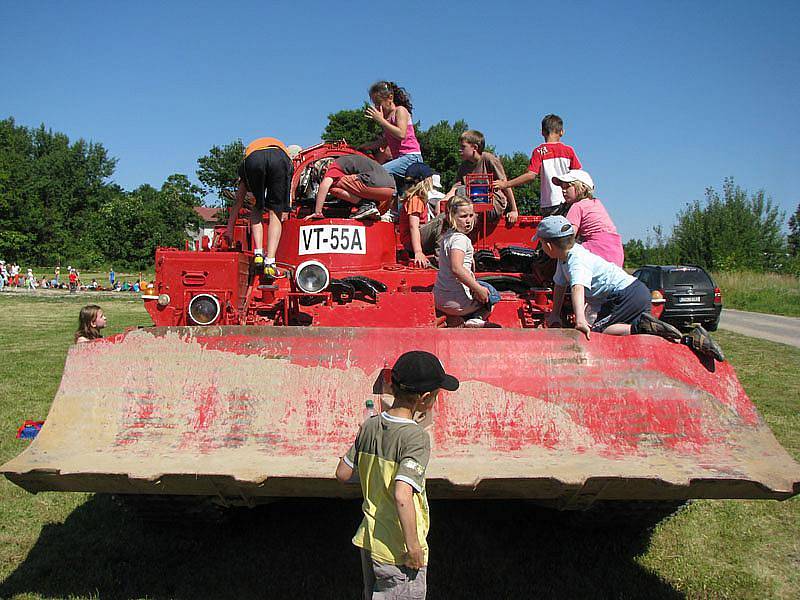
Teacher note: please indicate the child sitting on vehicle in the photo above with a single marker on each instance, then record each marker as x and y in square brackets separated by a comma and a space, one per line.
[456, 292]
[90, 321]
[419, 235]
[593, 227]
[475, 159]
[391, 109]
[622, 301]
[358, 180]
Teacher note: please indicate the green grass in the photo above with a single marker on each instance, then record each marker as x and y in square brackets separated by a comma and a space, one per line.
[760, 292]
[59, 545]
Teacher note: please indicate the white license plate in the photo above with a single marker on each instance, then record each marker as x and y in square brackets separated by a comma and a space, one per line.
[332, 239]
[689, 299]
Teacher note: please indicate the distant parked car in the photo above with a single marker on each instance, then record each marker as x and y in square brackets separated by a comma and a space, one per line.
[688, 293]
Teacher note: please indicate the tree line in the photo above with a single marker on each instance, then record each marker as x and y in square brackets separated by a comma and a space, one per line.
[59, 204]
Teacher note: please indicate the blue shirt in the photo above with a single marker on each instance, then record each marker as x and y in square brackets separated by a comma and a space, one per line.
[600, 277]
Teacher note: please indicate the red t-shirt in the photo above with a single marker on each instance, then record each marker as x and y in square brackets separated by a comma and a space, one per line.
[73, 278]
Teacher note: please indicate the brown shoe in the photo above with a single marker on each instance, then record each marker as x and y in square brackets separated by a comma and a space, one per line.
[649, 325]
[699, 339]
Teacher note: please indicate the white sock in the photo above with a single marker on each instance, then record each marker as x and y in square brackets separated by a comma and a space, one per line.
[258, 252]
[269, 261]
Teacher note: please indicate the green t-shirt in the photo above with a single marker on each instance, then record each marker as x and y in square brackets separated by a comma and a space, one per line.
[389, 449]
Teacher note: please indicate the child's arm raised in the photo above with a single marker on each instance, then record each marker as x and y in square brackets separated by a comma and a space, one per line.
[402, 117]
[404, 502]
[526, 177]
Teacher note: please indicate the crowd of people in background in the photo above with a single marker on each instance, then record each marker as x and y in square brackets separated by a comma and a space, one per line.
[12, 277]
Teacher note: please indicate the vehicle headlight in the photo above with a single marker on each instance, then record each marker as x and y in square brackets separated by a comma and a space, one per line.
[204, 309]
[163, 299]
[312, 277]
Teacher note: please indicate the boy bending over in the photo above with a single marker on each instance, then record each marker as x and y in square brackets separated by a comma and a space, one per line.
[391, 454]
[266, 172]
[622, 301]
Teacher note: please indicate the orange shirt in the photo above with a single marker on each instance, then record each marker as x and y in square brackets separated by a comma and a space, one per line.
[415, 205]
[265, 142]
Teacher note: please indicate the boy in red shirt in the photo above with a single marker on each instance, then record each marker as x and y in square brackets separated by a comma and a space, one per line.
[548, 160]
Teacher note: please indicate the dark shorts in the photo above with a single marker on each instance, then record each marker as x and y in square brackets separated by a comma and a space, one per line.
[558, 209]
[624, 306]
[267, 174]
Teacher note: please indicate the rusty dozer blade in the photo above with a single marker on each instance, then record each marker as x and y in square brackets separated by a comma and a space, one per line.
[266, 412]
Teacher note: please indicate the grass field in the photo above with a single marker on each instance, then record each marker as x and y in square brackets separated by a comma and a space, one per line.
[55, 545]
[760, 292]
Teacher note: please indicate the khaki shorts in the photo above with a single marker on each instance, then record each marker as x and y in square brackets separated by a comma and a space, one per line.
[392, 582]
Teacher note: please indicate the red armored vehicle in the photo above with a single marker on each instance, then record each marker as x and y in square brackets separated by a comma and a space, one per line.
[248, 388]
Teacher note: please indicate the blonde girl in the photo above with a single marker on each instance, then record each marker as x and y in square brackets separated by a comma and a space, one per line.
[456, 291]
[594, 228]
[418, 234]
[90, 321]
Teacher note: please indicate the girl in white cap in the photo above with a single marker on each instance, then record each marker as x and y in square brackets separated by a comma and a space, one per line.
[594, 228]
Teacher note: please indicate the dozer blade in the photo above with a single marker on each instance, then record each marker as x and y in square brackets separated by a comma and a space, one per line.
[266, 412]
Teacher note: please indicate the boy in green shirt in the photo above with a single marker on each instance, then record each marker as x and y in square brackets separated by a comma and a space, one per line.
[391, 453]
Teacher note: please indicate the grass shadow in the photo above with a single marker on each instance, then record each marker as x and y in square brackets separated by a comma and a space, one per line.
[301, 549]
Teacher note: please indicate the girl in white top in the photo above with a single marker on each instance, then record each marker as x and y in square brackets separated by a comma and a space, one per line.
[456, 291]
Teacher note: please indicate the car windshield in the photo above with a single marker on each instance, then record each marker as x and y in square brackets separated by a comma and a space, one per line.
[686, 276]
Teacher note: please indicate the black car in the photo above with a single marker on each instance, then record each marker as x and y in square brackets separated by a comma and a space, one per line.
[689, 294]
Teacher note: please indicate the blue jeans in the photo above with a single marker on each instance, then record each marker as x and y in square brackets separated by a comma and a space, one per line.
[399, 165]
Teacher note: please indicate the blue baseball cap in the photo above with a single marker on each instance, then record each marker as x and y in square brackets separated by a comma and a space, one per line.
[553, 227]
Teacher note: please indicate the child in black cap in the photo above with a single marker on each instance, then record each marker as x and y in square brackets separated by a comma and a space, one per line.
[391, 453]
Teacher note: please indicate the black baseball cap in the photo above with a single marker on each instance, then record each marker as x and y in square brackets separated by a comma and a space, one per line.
[419, 371]
[418, 171]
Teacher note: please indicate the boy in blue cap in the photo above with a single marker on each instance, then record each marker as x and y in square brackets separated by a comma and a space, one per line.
[391, 453]
[622, 301]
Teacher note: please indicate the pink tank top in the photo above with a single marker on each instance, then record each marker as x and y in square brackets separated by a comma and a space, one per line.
[408, 145]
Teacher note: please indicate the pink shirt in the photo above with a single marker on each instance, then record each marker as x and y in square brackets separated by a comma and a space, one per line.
[596, 229]
[408, 145]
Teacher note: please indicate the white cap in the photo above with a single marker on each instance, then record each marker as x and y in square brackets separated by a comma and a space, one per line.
[435, 195]
[293, 150]
[575, 175]
[437, 181]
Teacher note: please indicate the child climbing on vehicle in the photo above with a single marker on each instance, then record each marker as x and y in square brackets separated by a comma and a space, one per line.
[266, 172]
[391, 109]
[594, 229]
[358, 180]
[456, 292]
[622, 301]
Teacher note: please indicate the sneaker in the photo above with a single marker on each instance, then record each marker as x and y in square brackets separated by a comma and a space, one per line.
[701, 341]
[366, 210]
[272, 270]
[475, 323]
[649, 325]
[258, 261]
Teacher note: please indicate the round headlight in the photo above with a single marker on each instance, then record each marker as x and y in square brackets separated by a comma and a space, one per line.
[204, 309]
[312, 277]
[163, 299]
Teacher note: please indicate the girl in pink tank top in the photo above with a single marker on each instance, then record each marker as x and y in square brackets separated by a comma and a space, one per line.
[392, 111]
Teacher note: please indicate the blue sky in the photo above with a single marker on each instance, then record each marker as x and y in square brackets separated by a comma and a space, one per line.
[660, 99]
